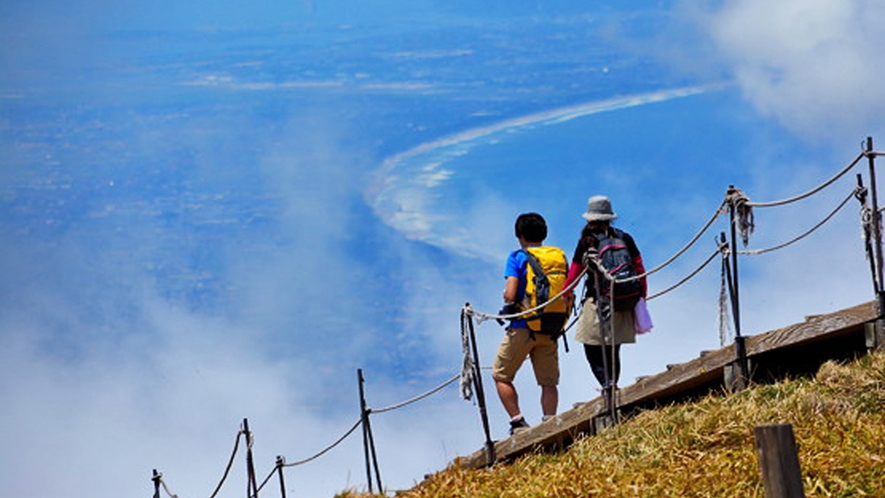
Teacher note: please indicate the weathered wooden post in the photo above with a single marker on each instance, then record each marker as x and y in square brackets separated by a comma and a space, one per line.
[280, 464]
[250, 464]
[736, 373]
[779, 461]
[368, 439]
[875, 334]
[156, 479]
[876, 222]
[491, 457]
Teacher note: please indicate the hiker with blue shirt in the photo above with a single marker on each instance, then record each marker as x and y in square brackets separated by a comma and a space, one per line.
[521, 340]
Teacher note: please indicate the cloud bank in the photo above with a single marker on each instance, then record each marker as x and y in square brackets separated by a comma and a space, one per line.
[812, 65]
[106, 376]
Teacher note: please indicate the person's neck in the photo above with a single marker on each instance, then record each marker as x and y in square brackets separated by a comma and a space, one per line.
[526, 244]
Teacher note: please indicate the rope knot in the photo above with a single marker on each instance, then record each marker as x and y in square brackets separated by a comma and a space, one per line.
[743, 212]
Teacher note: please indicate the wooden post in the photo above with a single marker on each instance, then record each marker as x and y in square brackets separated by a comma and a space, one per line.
[368, 439]
[156, 479]
[779, 461]
[280, 464]
[252, 485]
[876, 224]
[875, 335]
[733, 376]
[602, 422]
[735, 299]
[737, 373]
[491, 457]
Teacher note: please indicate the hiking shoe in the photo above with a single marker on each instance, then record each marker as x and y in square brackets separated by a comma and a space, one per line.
[518, 425]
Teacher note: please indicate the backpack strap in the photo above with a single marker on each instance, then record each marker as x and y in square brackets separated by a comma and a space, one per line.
[539, 270]
[536, 265]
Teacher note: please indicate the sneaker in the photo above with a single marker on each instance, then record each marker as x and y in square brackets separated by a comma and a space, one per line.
[518, 425]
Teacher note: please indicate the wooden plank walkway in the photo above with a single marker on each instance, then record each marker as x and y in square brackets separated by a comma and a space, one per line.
[793, 350]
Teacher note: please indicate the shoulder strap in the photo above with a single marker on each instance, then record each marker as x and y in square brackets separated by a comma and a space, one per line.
[532, 260]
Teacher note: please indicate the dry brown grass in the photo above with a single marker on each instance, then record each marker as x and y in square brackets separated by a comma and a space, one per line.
[707, 448]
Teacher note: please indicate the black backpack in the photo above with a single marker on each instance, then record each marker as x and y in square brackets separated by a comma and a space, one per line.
[618, 262]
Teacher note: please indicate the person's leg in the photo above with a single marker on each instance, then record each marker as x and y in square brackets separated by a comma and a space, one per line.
[545, 362]
[549, 400]
[509, 397]
[511, 354]
[594, 353]
[615, 359]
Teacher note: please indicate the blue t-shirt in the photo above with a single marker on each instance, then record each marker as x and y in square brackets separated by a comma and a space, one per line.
[515, 267]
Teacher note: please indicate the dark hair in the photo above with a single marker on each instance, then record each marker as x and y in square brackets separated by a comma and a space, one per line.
[531, 227]
[588, 234]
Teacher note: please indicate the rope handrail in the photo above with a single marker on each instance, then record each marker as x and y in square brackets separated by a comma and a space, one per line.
[326, 449]
[276, 469]
[378, 410]
[691, 275]
[754, 252]
[719, 211]
[812, 191]
[734, 198]
[485, 316]
[229, 465]
[480, 316]
[716, 214]
[166, 488]
[416, 398]
[738, 197]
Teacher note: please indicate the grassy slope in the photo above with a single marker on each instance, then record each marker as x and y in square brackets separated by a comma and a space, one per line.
[707, 448]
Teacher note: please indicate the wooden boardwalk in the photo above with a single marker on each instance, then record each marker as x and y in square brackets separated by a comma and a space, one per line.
[797, 349]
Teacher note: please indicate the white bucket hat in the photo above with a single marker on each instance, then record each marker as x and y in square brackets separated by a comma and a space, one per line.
[599, 208]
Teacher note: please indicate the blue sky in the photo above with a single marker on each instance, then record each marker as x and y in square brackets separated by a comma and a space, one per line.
[217, 211]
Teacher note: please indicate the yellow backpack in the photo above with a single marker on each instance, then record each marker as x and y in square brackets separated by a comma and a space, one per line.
[546, 272]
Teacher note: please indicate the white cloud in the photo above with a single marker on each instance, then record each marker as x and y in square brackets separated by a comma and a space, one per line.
[812, 64]
[106, 379]
[406, 196]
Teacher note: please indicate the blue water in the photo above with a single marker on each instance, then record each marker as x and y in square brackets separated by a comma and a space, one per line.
[184, 164]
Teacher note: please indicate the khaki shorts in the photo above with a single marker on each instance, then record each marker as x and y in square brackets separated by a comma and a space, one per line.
[516, 346]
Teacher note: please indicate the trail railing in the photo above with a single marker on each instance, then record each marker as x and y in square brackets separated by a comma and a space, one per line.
[741, 226]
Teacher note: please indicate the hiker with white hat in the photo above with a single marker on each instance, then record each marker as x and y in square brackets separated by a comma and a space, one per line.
[603, 306]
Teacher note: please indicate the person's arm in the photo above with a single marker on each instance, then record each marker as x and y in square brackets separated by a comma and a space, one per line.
[640, 269]
[574, 272]
[637, 262]
[511, 290]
